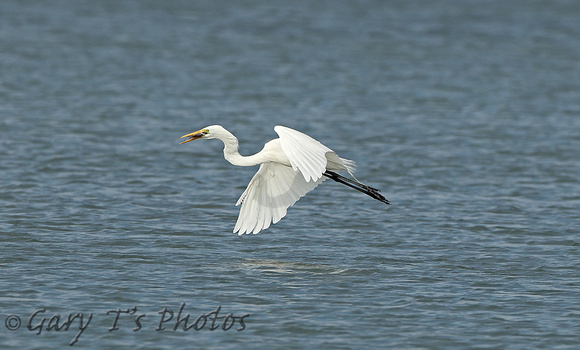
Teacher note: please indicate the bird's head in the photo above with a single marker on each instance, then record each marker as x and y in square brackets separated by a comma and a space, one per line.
[209, 132]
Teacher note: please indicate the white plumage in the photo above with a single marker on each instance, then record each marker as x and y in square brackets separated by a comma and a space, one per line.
[273, 189]
[290, 166]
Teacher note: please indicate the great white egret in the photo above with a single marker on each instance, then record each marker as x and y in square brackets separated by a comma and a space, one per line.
[290, 166]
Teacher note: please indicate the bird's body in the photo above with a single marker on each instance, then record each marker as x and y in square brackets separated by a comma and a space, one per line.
[290, 166]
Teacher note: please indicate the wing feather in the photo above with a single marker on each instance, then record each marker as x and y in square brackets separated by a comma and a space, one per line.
[304, 153]
[273, 189]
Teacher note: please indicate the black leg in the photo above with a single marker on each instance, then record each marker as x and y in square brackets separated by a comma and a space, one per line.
[370, 191]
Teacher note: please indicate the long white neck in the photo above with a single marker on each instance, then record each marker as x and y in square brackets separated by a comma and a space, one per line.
[231, 153]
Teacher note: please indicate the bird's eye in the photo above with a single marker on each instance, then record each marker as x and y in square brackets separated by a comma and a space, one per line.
[205, 131]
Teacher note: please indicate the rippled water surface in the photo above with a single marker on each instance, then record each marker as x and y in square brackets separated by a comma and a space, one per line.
[465, 113]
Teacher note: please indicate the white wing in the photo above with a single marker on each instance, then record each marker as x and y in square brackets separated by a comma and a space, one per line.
[304, 153]
[271, 191]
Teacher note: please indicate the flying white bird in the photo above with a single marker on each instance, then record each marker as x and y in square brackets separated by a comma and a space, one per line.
[290, 167]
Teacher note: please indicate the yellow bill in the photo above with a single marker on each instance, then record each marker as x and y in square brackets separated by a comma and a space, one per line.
[194, 135]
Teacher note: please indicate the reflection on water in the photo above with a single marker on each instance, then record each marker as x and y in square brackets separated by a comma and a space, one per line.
[283, 267]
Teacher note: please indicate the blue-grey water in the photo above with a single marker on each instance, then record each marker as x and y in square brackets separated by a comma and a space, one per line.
[465, 113]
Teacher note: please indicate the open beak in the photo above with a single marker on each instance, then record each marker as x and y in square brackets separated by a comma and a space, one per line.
[192, 136]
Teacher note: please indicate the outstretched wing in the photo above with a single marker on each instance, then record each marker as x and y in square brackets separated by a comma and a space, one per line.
[306, 155]
[271, 191]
